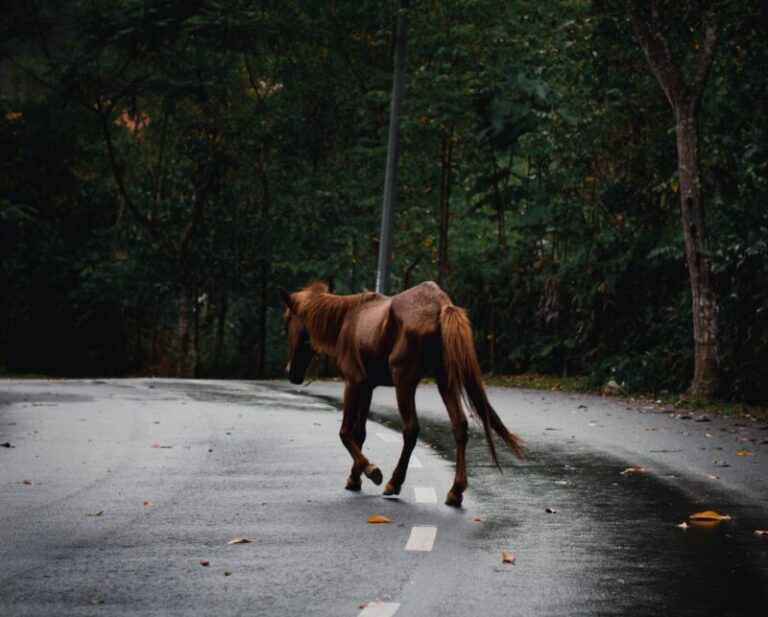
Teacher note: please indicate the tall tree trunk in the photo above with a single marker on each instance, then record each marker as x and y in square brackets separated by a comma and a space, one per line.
[185, 363]
[685, 100]
[704, 300]
[222, 308]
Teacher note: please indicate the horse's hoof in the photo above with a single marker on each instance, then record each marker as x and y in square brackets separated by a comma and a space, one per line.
[454, 499]
[373, 473]
[353, 485]
[390, 489]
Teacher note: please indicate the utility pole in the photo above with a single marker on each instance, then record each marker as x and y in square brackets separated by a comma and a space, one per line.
[393, 153]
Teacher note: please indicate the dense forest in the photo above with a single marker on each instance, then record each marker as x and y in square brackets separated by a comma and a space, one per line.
[588, 177]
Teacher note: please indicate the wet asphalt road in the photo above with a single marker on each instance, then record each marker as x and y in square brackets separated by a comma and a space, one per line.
[263, 461]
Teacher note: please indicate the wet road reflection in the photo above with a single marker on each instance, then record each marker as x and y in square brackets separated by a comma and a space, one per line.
[612, 546]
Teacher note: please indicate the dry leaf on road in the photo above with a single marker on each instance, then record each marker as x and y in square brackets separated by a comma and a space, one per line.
[745, 453]
[27, 482]
[157, 445]
[763, 533]
[478, 519]
[99, 513]
[239, 541]
[709, 515]
[508, 557]
[632, 470]
[713, 477]
[205, 562]
[148, 503]
[378, 518]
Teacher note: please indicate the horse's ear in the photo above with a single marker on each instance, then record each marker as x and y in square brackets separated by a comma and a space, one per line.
[286, 297]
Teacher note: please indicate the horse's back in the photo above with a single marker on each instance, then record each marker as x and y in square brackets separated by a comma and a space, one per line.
[418, 308]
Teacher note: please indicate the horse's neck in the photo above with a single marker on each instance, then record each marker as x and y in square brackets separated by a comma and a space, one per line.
[324, 316]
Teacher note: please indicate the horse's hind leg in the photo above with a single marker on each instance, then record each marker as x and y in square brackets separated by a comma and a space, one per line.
[452, 400]
[357, 400]
[406, 403]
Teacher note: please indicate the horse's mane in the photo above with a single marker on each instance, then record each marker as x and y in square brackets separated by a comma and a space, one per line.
[323, 313]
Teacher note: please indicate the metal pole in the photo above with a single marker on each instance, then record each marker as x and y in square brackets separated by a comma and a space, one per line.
[393, 154]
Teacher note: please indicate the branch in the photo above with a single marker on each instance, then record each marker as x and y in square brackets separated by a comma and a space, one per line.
[656, 49]
[198, 205]
[706, 53]
[120, 181]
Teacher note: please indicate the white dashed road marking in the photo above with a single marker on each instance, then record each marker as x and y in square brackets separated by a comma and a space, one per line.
[425, 494]
[414, 463]
[422, 539]
[389, 436]
[379, 609]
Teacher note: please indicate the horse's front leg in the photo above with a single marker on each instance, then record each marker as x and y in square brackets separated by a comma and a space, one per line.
[406, 403]
[357, 401]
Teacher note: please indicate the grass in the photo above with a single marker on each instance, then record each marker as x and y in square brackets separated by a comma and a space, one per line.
[581, 385]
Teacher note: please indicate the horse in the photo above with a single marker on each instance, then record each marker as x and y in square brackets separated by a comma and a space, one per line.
[394, 341]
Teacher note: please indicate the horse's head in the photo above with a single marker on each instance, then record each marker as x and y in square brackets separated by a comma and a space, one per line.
[300, 350]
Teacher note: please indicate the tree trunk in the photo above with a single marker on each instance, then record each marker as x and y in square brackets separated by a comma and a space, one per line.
[684, 97]
[185, 360]
[704, 300]
[222, 309]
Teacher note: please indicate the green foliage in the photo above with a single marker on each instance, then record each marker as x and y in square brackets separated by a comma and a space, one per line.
[157, 151]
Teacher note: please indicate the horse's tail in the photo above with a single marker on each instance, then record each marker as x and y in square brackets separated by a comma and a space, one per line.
[463, 375]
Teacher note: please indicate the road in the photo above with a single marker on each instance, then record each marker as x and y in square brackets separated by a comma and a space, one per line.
[96, 519]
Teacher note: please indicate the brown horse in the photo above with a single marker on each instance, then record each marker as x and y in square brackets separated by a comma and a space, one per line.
[379, 340]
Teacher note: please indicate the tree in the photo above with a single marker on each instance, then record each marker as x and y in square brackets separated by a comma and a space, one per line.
[685, 99]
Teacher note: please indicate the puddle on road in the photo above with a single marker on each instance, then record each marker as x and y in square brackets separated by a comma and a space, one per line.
[612, 546]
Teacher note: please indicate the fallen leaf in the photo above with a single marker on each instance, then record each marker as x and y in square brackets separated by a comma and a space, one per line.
[157, 445]
[95, 600]
[205, 562]
[763, 533]
[721, 464]
[377, 518]
[713, 477]
[478, 519]
[709, 515]
[683, 525]
[148, 504]
[703, 419]
[27, 482]
[239, 541]
[508, 557]
[227, 573]
[99, 513]
[550, 511]
[745, 453]
[632, 470]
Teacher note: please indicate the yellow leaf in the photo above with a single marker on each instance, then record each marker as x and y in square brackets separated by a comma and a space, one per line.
[632, 470]
[745, 453]
[377, 518]
[709, 515]
[508, 557]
